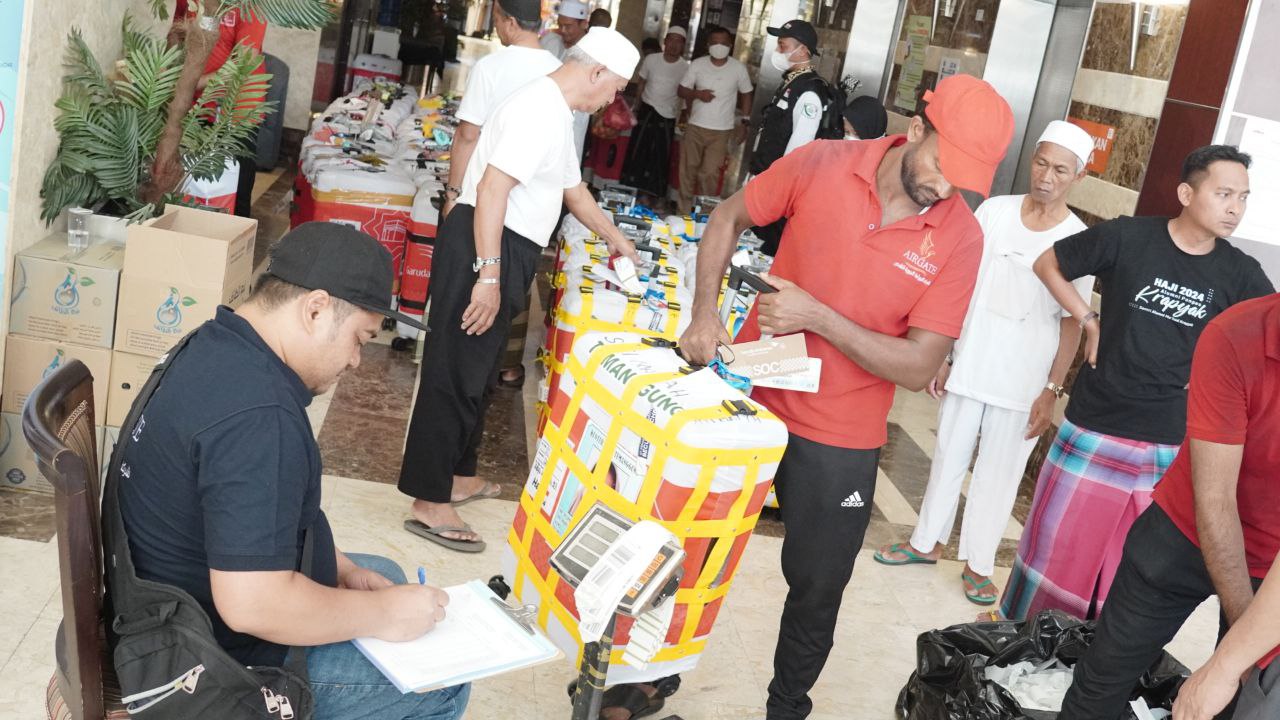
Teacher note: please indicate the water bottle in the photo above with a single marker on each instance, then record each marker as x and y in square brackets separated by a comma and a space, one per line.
[78, 228]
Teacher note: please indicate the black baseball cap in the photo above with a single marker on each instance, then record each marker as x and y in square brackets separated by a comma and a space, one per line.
[342, 261]
[527, 10]
[802, 31]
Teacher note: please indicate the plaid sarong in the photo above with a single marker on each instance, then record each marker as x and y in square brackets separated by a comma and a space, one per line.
[1091, 489]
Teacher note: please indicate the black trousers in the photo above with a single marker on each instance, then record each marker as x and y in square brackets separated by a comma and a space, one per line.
[1161, 579]
[458, 370]
[649, 153]
[825, 496]
[248, 174]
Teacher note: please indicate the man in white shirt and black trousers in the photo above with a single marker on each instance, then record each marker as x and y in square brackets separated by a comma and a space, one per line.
[495, 76]
[521, 170]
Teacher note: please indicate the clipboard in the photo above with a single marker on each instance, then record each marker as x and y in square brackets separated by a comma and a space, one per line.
[481, 636]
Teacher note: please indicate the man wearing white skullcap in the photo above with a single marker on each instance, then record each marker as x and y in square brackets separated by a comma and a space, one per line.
[572, 23]
[1006, 371]
[522, 169]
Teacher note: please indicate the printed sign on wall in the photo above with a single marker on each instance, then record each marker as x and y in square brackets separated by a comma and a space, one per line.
[918, 29]
[1104, 138]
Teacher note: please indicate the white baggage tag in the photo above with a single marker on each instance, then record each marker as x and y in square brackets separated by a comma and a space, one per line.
[772, 357]
[806, 380]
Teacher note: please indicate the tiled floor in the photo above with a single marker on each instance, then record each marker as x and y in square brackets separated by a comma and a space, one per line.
[361, 425]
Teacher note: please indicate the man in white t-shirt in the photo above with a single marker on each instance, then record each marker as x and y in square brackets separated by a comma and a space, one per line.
[1007, 369]
[494, 77]
[711, 84]
[521, 171]
[572, 24]
[649, 150]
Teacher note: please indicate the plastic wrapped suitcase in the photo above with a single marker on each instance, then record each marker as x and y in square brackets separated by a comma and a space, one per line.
[378, 203]
[586, 308]
[371, 67]
[415, 279]
[218, 193]
[632, 427]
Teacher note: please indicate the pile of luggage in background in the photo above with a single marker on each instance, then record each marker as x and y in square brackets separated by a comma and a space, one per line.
[377, 160]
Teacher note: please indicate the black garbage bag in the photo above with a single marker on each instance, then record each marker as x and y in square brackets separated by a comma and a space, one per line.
[950, 683]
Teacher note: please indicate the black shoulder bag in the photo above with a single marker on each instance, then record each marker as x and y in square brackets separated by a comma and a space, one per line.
[166, 657]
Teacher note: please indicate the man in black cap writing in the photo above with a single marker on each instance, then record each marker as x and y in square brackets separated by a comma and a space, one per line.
[795, 114]
[223, 481]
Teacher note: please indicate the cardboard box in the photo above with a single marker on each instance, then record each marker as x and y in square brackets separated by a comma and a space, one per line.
[128, 374]
[28, 360]
[18, 468]
[177, 269]
[66, 295]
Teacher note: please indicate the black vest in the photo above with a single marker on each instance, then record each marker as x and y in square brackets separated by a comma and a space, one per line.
[775, 124]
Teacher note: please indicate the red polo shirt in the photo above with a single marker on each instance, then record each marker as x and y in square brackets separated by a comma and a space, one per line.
[918, 272]
[234, 30]
[1234, 399]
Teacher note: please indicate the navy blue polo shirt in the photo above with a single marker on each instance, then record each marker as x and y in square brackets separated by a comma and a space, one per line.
[224, 473]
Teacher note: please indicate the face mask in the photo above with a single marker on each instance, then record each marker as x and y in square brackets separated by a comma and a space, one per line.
[781, 61]
[719, 52]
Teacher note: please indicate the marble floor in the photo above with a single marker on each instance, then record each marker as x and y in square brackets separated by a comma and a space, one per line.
[360, 426]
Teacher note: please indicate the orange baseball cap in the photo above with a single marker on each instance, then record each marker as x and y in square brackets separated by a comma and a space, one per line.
[974, 127]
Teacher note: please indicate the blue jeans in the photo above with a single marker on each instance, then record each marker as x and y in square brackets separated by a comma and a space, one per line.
[347, 686]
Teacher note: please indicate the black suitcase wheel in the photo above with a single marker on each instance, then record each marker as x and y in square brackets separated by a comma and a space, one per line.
[667, 686]
[400, 343]
[499, 586]
[388, 324]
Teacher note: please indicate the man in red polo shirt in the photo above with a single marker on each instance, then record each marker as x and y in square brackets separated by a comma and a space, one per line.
[1213, 527]
[876, 266]
[236, 28]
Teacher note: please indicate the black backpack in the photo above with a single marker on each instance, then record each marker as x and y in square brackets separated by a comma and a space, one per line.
[833, 100]
[166, 657]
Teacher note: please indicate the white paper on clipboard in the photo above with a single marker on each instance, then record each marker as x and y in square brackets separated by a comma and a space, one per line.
[476, 639]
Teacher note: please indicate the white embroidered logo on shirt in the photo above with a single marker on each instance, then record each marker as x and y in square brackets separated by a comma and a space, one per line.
[854, 500]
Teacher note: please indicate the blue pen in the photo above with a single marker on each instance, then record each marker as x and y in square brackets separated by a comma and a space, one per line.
[422, 576]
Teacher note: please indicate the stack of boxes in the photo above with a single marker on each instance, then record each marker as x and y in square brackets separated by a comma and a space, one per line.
[63, 308]
[115, 311]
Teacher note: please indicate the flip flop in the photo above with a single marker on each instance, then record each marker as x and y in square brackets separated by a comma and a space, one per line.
[488, 492]
[423, 530]
[515, 382]
[973, 595]
[633, 700]
[912, 557]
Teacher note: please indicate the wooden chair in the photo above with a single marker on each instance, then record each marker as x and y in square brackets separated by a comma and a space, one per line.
[58, 422]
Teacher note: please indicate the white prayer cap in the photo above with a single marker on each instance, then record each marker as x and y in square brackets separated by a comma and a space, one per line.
[611, 49]
[576, 9]
[677, 30]
[1070, 136]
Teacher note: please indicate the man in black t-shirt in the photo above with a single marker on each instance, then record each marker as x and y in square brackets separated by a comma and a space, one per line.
[1162, 280]
[220, 479]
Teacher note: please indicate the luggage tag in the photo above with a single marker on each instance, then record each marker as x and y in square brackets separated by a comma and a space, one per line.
[778, 362]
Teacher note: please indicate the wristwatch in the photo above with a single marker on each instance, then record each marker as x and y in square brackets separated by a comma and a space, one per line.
[483, 262]
[1093, 315]
[1057, 390]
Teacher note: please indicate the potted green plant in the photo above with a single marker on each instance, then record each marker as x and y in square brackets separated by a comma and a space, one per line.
[132, 137]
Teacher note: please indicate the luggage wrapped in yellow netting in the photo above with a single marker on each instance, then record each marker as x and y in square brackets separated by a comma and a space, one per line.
[632, 427]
